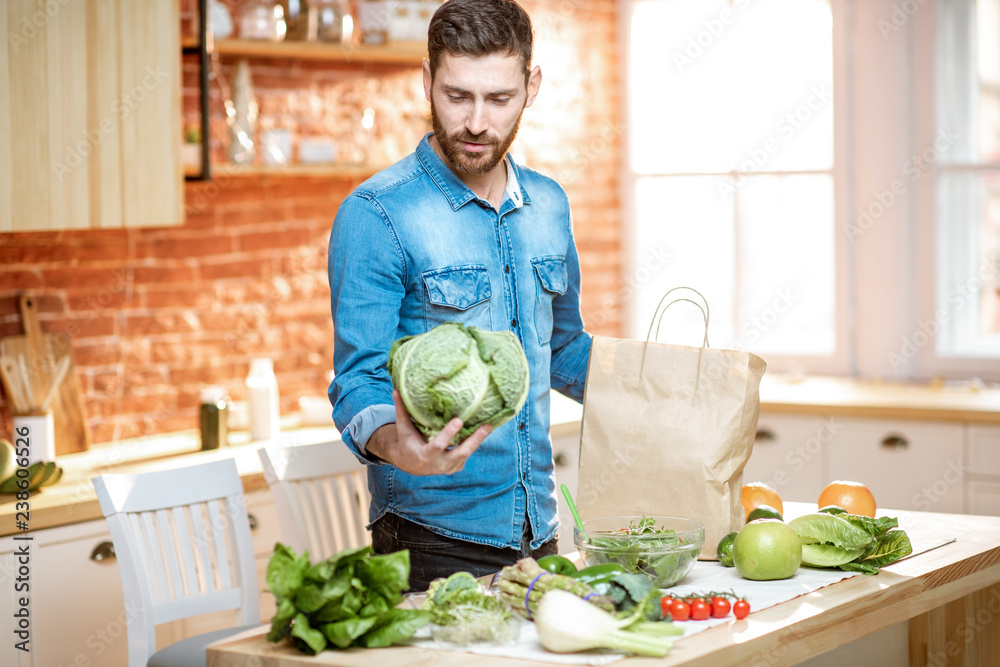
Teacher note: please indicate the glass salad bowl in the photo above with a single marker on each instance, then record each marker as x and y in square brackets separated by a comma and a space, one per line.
[663, 547]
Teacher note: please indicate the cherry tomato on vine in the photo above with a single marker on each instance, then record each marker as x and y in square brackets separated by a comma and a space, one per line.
[741, 608]
[700, 610]
[665, 603]
[720, 607]
[680, 610]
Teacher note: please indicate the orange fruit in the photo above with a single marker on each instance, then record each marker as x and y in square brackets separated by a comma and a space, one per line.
[854, 497]
[756, 494]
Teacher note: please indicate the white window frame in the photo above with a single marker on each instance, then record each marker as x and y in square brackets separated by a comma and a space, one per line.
[928, 317]
[886, 270]
[839, 361]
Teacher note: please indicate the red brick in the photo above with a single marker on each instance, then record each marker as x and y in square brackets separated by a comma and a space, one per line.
[161, 323]
[193, 296]
[163, 274]
[247, 269]
[85, 325]
[99, 353]
[103, 253]
[16, 280]
[35, 253]
[269, 240]
[84, 279]
[252, 213]
[185, 248]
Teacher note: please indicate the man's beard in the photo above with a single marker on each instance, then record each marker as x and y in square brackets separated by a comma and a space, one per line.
[475, 164]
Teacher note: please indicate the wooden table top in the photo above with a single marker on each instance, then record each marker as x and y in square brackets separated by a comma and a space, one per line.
[780, 635]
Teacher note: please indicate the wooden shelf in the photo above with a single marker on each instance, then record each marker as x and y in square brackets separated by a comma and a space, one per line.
[399, 53]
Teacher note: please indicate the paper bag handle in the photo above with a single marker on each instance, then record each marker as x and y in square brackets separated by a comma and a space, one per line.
[659, 320]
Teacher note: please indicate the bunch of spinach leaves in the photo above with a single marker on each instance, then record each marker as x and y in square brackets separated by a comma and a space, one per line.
[346, 600]
[888, 544]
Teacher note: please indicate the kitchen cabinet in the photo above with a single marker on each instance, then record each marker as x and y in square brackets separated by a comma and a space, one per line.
[90, 115]
[566, 457]
[9, 654]
[908, 464]
[791, 454]
[982, 471]
[78, 612]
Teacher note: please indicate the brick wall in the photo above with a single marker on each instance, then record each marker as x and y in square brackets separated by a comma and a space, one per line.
[155, 314]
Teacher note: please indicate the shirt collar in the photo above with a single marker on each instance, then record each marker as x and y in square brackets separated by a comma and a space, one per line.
[452, 187]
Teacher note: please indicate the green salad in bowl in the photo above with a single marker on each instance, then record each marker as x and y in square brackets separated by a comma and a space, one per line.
[662, 547]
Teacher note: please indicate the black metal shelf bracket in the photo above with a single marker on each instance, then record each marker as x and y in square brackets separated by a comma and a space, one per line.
[204, 66]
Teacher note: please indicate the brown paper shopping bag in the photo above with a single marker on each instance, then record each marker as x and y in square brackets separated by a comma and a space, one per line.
[667, 430]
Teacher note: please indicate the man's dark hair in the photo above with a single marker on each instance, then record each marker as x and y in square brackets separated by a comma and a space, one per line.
[480, 28]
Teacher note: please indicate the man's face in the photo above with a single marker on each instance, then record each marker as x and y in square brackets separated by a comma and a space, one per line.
[476, 107]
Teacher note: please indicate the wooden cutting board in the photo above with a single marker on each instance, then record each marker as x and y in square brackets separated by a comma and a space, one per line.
[42, 354]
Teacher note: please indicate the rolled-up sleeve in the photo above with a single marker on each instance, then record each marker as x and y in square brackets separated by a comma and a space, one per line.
[367, 277]
[570, 343]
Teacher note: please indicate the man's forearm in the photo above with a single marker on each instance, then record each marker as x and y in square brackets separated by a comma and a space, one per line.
[382, 441]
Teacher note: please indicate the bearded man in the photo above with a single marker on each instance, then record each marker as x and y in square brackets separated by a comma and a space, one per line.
[457, 232]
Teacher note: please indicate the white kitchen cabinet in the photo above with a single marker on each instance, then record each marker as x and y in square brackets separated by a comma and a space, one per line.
[265, 532]
[982, 471]
[791, 454]
[566, 457]
[9, 654]
[907, 464]
[77, 607]
[983, 454]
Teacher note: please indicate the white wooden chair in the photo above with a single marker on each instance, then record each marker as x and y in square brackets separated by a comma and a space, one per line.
[182, 540]
[321, 494]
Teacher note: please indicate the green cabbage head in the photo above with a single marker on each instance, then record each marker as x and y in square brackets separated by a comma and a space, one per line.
[454, 370]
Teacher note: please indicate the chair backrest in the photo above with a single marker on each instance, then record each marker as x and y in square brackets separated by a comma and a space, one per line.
[182, 541]
[321, 494]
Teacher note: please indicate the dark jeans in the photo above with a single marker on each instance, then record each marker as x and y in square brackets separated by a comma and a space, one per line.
[433, 555]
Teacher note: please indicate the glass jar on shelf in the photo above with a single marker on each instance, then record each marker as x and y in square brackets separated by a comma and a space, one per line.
[296, 20]
[261, 19]
[328, 16]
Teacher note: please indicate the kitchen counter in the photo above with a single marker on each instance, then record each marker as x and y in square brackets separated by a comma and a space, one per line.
[941, 593]
[971, 402]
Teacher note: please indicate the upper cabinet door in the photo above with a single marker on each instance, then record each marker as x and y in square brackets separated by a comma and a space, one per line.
[90, 115]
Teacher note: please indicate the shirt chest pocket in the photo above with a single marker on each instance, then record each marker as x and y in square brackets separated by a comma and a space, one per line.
[457, 294]
[551, 281]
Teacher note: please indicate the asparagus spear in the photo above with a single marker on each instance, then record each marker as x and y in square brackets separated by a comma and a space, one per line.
[516, 580]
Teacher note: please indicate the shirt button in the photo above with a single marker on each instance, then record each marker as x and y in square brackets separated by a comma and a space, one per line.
[520, 427]
[513, 323]
[506, 269]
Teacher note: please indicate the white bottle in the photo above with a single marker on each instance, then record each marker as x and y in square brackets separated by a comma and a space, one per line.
[262, 394]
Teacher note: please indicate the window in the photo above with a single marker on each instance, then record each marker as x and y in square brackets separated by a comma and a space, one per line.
[967, 226]
[731, 172]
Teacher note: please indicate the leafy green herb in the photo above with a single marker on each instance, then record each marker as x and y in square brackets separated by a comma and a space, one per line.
[346, 600]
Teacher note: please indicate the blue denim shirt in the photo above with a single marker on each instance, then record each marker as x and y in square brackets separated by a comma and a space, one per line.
[413, 247]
